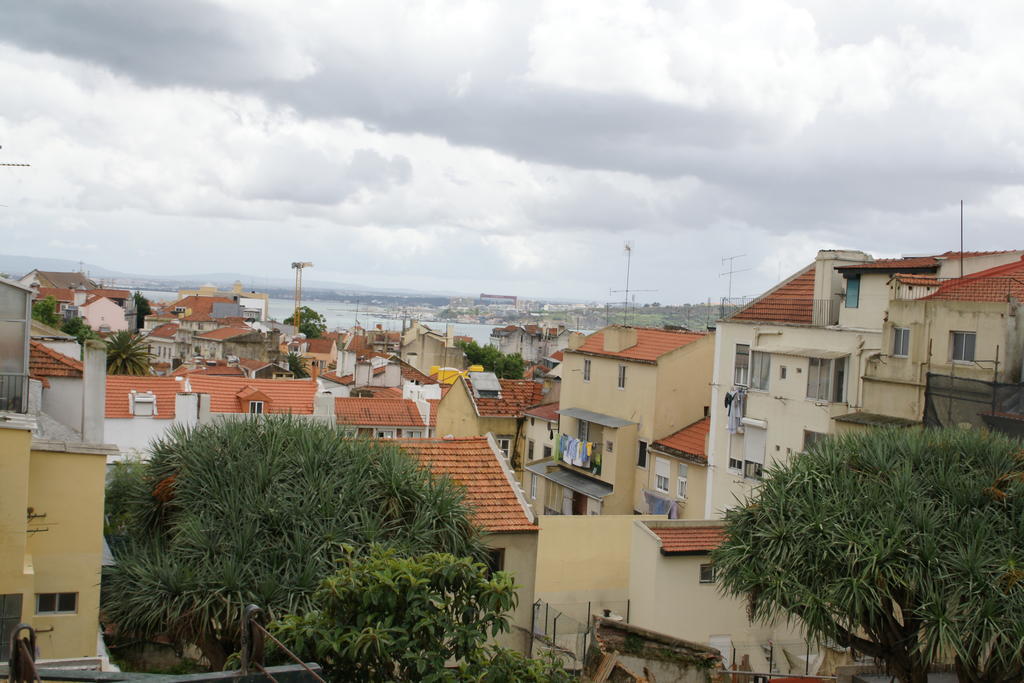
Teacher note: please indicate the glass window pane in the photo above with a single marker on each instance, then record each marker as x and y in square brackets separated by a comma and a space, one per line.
[46, 602]
[12, 347]
[12, 303]
[969, 339]
[66, 602]
[853, 292]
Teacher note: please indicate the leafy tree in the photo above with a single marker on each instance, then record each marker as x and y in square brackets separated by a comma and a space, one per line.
[507, 366]
[311, 323]
[906, 545]
[45, 311]
[127, 354]
[142, 309]
[260, 510]
[383, 617]
[79, 329]
[298, 365]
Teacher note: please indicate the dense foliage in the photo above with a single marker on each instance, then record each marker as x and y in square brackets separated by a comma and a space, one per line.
[260, 510]
[507, 366]
[383, 617]
[142, 309]
[905, 544]
[127, 354]
[311, 323]
[79, 329]
[298, 365]
[45, 311]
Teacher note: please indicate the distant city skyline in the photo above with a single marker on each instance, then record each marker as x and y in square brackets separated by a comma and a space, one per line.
[509, 147]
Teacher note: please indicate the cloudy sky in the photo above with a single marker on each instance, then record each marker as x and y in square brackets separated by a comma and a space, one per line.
[509, 146]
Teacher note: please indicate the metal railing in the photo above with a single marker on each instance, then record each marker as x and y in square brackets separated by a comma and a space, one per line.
[816, 312]
[14, 393]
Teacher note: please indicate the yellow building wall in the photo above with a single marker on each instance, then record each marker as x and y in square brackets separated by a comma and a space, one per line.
[683, 387]
[873, 303]
[521, 561]
[457, 416]
[64, 482]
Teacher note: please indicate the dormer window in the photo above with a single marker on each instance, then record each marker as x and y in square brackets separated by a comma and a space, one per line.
[256, 407]
[143, 404]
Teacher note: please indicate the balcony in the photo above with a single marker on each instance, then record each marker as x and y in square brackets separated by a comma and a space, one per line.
[13, 393]
[800, 311]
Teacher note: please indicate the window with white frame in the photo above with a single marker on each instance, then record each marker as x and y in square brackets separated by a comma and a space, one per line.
[826, 379]
[504, 445]
[256, 407]
[533, 486]
[413, 433]
[901, 342]
[143, 405]
[56, 603]
[681, 480]
[760, 369]
[622, 377]
[707, 573]
[586, 369]
[661, 470]
[385, 433]
[754, 441]
[961, 346]
[742, 364]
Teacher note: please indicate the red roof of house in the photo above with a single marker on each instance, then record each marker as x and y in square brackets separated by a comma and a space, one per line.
[995, 285]
[917, 280]
[58, 293]
[516, 396]
[790, 302]
[894, 263]
[413, 375]
[285, 395]
[548, 411]
[164, 331]
[253, 364]
[382, 392]
[222, 333]
[210, 370]
[45, 362]
[690, 440]
[651, 344]
[319, 345]
[110, 293]
[970, 254]
[556, 356]
[689, 540]
[201, 307]
[333, 376]
[119, 388]
[489, 489]
[377, 412]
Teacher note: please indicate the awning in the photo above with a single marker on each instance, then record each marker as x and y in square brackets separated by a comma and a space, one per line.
[552, 471]
[802, 353]
[598, 418]
[876, 420]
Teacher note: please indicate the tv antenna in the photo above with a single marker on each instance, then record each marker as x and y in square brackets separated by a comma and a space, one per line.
[732, 271]
[628, 248]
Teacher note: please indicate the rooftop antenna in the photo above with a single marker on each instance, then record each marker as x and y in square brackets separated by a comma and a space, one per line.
[628, 248]
[732, 271]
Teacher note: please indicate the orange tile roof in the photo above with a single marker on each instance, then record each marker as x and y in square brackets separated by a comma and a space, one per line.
[689, 540]
[222, 333]
[164, 331]
[917, 280]
[285, 395]
[548, 411]
[210, 371]
[516, 396]
[995, 285]
[46, 362]
[971, 254]
[377, 412]
[790, 302]
[471, 462]
[253, 364]
[110, 293]
[651, 344]
[556, 356]
[411, 374]
[119, 387]
[338, 379]
[690, 440]
[906, 262]
[383, 392]
[319, 345]
[58, 293]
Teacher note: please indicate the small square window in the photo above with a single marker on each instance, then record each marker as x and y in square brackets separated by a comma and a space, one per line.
[256, 407]
[547, 452]
[707, 573]
[900, 342]
[56, 603]
[962, 346]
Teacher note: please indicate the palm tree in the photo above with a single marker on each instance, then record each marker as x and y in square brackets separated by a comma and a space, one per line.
[297, 364]
[127, 354]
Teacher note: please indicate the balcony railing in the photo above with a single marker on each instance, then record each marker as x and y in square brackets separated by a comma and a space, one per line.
[816, 312]
[14, 393]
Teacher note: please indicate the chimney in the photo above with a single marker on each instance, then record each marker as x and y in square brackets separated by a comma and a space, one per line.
[94, 390]
[424, 408]
[618, 337]
[449, 335]
[576, 340]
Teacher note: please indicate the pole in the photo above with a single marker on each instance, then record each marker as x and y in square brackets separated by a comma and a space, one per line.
[961, 238]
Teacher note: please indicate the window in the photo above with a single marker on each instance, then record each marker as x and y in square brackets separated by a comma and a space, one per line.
[900, 342]
[56, 603]
[707, 573]
[853, 291]
[529, 449]
[742, 364]
[761, 367]
[495, 560]
[413, 433]
[782, 372]
[622, 377]
[533, 486]
[256, 407]
[754, 441]
[547, 452]
[811, 438]
[143, 405]
[582, 430]
[661, 467]
[826, 379]
[641, 454]
[962, 346]
[586, 369]
[681, 481]
[504, 444]
[385, 433]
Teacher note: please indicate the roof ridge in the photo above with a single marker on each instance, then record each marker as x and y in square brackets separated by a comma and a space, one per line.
[56, 355]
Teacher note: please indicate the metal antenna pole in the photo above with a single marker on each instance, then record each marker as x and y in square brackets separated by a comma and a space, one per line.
[732, 271]
[627, 290]
[961, 238]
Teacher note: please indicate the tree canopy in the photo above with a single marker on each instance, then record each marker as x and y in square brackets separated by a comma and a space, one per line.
[905, 544]
[142, 309]
[79, 329]
[45, 311]
[260, 510]
[298, 365]
[383, 617]
[507, 366]
[311, 323]
[127, 354]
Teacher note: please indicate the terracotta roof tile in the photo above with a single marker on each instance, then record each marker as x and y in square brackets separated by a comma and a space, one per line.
[285, 395]
[917, 280]
[319, 345]
[547, 411]
[383, 392]
[790, 302]
[58, 293]
[516, 396]
[971, 254]
[164, 331]
[995, 285]
[210, 371]
[377, 412]
[473, 463]
[338, 379]
[894, 263]
[46, 362]
[411, 374]
[110, 293]
[119, 388]
[556, 356]
[689, 540]
[651, 344]
[690, 440]
[222, 333]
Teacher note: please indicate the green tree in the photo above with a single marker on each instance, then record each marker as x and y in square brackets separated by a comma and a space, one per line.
[904, 544]
[311, 323]
[142, 309]
[45, 311]
[507, 366]
[127, 354]
[383, 617]
[298, 365]
[260, 510]
[79, 329]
